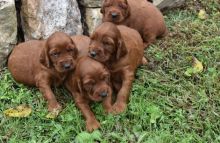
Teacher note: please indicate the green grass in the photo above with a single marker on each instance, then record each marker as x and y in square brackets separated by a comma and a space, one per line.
[165, 105]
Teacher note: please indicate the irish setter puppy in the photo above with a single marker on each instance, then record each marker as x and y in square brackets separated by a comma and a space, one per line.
[44, 64]
[138, 14]
[120, 48]
[90, 82]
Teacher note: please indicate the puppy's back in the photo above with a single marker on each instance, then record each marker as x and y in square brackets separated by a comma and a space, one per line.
[24, 61]
[133, 43]
[82, 44]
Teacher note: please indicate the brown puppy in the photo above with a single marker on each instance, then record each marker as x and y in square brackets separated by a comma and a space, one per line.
[138, 14]
[44, 64]
[120, 48]
[90, 82]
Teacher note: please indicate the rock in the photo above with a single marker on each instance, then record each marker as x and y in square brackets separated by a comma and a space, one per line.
[161, 4]
[8, 29]
[93, 18]
[43, 17]
[91, 3]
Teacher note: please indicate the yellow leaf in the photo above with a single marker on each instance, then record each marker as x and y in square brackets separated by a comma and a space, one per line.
[202, 14]
[53, 114]
[19, 111]
[197, 65]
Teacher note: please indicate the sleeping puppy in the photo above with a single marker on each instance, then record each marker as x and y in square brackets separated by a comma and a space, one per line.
[90, 82]
[44, 64]
[120, 48]
[138, 14]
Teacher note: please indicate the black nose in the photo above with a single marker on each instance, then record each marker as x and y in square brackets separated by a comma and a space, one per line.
[93, 54]
[103, 94]
[114, 15]
[67, 66]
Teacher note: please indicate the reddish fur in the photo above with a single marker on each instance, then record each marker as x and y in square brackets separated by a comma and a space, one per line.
[138, 14]
[34, 63]
[86, 84]
[121, 49]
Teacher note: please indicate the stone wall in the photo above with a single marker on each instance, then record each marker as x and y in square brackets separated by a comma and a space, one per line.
[37, 19]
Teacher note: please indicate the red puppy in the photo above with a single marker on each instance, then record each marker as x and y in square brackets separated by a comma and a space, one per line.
[120, 48]
[44, 64]
[90, 82]
[138, 14]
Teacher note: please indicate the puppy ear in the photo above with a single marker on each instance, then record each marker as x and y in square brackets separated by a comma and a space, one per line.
[44, 58]
[102, 10]
[75, 51]
[128, 11]
[121, 49]
[79, 86]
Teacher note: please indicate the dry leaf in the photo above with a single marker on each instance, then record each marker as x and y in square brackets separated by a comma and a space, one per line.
[202, 14]
[197, 67]
[19, 111]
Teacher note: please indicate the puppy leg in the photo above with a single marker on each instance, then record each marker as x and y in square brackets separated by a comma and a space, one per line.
[91, 122]
[148, 37]
[123, 94]
[144, 61]
[44, 86]
[107, 103]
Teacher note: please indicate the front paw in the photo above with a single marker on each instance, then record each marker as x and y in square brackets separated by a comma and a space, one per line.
[92, 125]
[109, 110]
[54, 106]
[119, 107]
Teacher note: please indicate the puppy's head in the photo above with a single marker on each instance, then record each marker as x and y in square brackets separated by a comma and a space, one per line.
[59, 52]
[93, 78]
[115, 10]
[107, 44]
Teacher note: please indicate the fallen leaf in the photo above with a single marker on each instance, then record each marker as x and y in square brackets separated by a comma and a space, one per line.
[197, 67]
[202, 14]
[19, 111]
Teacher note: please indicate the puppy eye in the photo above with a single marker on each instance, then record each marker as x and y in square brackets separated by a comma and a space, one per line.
[55, 54]
[69, 50]
[107, 43]
[89, 85]
[106, 78]
[123, 6]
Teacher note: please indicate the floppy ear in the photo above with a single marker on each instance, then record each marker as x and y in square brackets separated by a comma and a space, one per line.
[75, 51]
[102, 10]
[128, 11]
[44, 59]
[121, 49]
[79, 85]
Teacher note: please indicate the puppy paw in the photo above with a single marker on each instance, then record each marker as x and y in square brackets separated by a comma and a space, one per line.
[119, 107]
[109, 110]
[144, 61]
[92, 125]
[54, 106]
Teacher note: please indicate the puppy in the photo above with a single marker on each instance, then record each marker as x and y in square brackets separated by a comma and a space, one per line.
[90, 82]
[138, 14]
[121, 49]
[44, 64]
